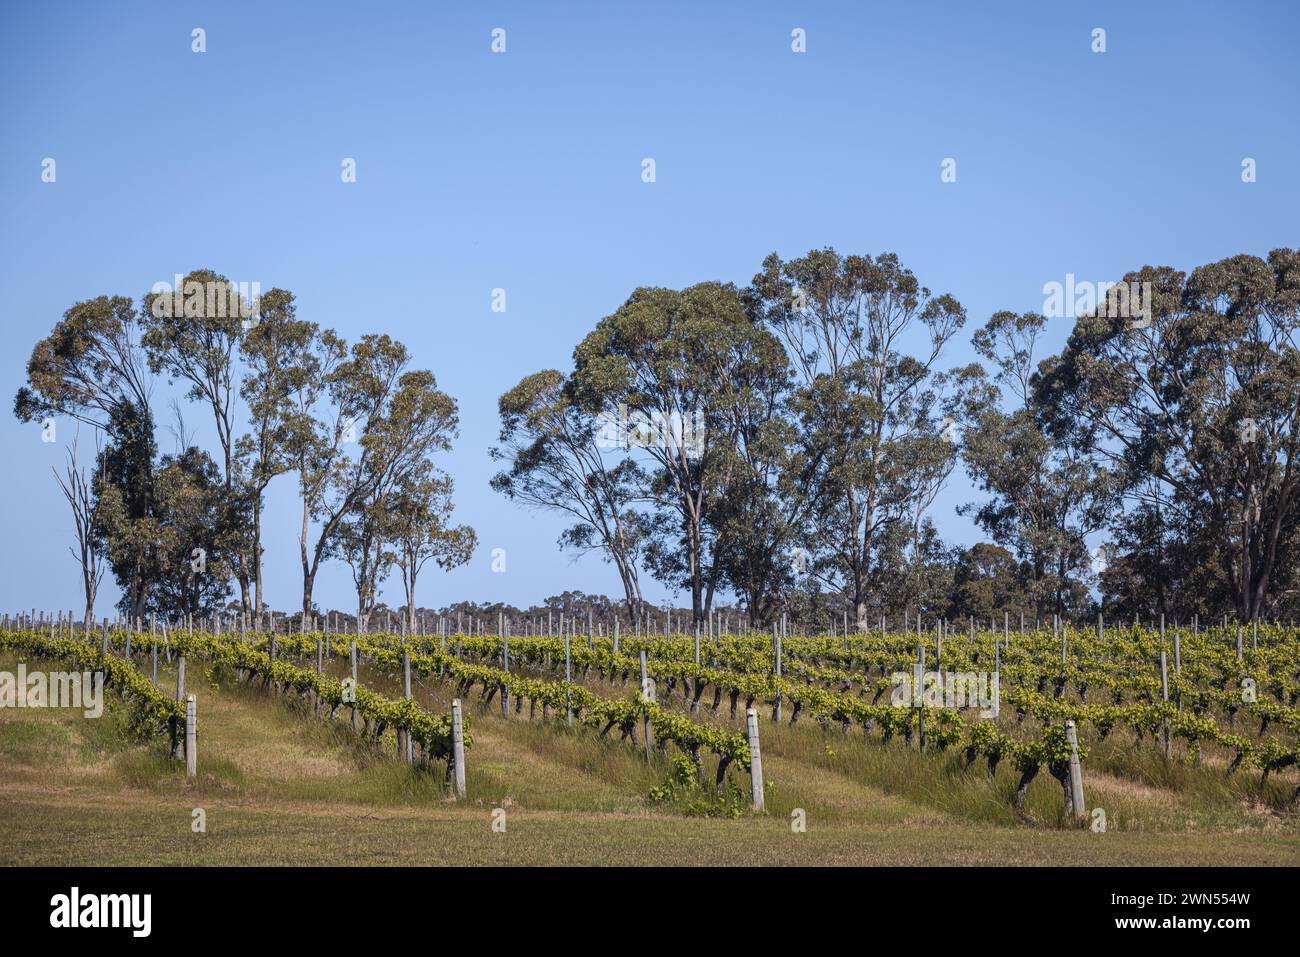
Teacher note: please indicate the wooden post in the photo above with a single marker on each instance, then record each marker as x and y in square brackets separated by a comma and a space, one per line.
[180, 679]
[354, 683]
[457, 748]
[1164, 690]
[755, 760]
[1076, 773]
[568, 677]
[191, 736]
[505, 664]
[918, 694]
[777, 712]
[153, 655]
[997, 668]
[406, 693]
[645, 712]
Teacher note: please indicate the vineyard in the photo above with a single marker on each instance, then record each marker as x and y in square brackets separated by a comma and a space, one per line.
[1206, 718]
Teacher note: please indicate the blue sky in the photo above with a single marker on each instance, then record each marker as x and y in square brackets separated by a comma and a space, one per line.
[522, 171]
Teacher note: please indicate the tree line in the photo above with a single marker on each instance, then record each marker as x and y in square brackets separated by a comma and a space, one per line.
[782, 444]
[356, 424]
[785, 442]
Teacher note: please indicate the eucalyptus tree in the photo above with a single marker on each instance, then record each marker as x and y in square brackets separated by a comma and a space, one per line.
[278, 356]
[192, 334]
[75, 485]
[760, 523]
[378, 420]
[418, 524]
[92, 369]
[673, 365]
[314, 435]
[358, 540]
[558, 457]
[1049, 495]
[868, 411]
[988, 583]
[1162, 559]
[197, 534]
[1197, 398]
[126, 507]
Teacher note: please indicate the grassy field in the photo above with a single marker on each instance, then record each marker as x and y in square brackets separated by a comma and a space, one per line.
[278, 787]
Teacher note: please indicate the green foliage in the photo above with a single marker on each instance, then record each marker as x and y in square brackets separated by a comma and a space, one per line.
[695, 377]
[1193, 410]
[685, 791]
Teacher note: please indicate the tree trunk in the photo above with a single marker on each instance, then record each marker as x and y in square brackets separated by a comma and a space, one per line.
[308, 581]
[257, 552]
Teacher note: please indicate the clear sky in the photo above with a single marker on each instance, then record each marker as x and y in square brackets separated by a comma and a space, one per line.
[522, 171]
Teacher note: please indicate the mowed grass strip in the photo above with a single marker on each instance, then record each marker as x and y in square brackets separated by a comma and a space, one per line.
[149, 830]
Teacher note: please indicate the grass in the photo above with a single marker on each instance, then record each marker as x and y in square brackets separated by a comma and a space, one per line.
[279, 787]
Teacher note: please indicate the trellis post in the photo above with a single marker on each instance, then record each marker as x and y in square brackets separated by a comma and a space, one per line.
[568, 678]
[457, 748]
[1076, 772]
[191, 736]
[755, 760]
